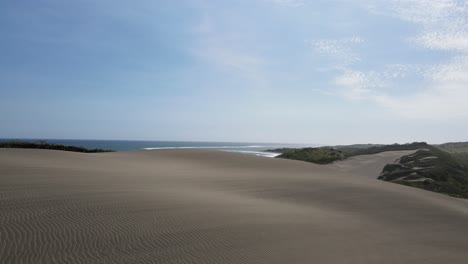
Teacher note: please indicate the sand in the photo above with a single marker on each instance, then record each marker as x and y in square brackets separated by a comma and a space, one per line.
[198, 206]
[369, 166]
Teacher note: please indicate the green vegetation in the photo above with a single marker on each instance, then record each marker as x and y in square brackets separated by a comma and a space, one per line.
[393, 147]
[442, 168]
[325, 155]
[454, 147]
[355, 147]
[279, 150]
[314, 155]
[431, 169]
[344, 148]
[461, 158]
[45, 145]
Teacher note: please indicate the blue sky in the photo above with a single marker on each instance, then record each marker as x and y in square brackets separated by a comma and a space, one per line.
[326, 72]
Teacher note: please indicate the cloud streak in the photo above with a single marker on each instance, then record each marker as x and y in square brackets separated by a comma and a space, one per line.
[341, 50]
[442, 27]
[444, 98]
[443, 23]
[288, 3]
[219, 49]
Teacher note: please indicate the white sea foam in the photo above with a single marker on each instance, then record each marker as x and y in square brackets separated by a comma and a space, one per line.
[237, 149]
[256, 153]
[208, 147]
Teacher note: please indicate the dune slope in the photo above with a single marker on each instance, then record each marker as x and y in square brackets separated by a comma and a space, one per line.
[196, 206]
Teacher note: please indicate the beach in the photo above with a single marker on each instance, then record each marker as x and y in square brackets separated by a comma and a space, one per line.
[206, 206]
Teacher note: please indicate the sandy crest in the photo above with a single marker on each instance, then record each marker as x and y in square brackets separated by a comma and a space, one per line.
[199, 206]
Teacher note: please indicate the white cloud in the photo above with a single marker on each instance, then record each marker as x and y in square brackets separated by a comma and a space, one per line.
[417, 11]
[449, 40]
[219, 49]
[443, 90]
[456, 71]
[341, 50]
[442, 94]
[427, 12]
[229, 53]
[228, 57]
[444, 97]
[355, 84]
[444, 24]
[290, 3]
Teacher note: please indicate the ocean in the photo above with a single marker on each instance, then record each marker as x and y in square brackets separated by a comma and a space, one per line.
[252, 148]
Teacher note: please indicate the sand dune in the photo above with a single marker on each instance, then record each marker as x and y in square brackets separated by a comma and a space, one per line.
[369, 166]
[198, 206]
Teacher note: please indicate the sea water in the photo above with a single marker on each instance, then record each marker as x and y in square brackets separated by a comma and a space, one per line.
[252, 148]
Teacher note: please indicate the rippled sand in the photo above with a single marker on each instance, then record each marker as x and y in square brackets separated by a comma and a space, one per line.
[197, 206]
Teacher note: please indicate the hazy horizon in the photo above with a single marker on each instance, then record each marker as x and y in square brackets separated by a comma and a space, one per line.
[274, 71]
[311, 144]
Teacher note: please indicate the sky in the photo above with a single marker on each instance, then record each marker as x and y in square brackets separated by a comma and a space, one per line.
[291, 71]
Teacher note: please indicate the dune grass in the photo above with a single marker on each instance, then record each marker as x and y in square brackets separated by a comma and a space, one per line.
[431, 169]
[45, 145]
[315, 155]
[325, 155]
[454, 147]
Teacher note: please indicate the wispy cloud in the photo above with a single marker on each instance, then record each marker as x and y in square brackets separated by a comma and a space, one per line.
[356, 84]
[341, 50]
[220, 49]
[444, 24]
[450, 39]
[441, 95]
[416, 11]
[227, 57]
[444, 86]
[444, 97]
[290, 3]
[229, 52]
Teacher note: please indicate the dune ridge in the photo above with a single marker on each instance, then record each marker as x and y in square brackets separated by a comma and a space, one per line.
[202, 206]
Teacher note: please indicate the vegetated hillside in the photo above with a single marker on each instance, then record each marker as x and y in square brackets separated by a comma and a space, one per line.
[45, 145]
[280, 150]
[344, 148]
[462, 158]
[454, 147]
[325, 155]
[355, 147]
[314, 155]
[430, 169]
[393, 147]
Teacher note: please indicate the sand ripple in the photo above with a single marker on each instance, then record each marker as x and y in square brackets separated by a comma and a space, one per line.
[197, 206]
